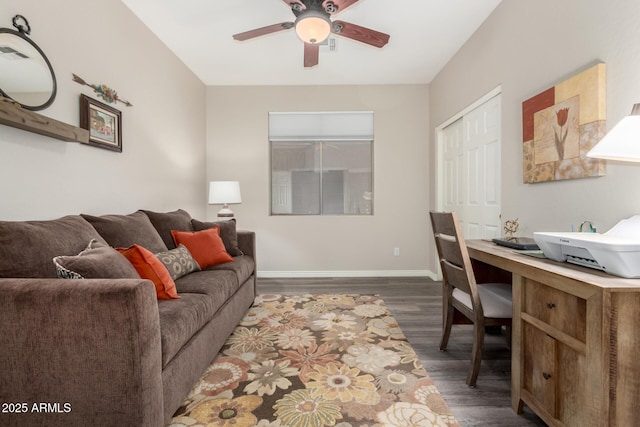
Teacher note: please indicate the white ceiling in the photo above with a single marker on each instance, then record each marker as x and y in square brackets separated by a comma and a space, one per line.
[425, 34]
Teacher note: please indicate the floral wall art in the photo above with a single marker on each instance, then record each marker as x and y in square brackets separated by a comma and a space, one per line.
[561, 124]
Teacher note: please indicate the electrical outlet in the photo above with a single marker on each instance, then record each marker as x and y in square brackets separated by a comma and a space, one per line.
[396, 251]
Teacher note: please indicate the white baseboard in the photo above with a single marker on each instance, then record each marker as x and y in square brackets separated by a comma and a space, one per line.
[346, 273]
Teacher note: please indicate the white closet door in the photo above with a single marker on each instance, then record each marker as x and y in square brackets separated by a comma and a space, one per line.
[471, 170]
[452, 168]
[482, 152]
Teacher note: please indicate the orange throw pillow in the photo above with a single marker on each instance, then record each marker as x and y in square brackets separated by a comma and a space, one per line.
[205, 246]
[150, 267]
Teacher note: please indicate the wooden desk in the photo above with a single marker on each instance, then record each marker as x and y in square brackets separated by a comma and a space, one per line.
[576, 339]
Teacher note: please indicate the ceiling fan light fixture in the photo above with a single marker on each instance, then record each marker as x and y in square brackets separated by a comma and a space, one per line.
[313, 27]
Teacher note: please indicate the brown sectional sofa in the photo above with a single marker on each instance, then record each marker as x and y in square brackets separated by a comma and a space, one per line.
[107, 352]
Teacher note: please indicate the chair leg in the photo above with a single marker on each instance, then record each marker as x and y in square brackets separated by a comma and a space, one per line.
[446, 328]
[508, 334]
[476, 354]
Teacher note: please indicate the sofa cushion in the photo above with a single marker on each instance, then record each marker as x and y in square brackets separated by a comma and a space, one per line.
[97, 261]
[149, 267]
[27, 247]
[218, 284]
[228, 233]
[122, 231]
[180, 320]
[178, 261]
[164, 222]
[205, 246]
[243, 267]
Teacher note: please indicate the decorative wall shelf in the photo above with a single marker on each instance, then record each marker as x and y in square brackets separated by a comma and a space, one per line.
[13, 115]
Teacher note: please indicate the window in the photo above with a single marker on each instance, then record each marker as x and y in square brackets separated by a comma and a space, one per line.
[321, 163]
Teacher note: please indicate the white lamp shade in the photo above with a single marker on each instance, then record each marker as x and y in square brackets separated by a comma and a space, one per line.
[622, 142]
[313, 27]
[224, 192]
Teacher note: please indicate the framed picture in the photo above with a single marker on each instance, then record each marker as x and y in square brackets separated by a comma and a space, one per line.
[103, 122]
[561, 124]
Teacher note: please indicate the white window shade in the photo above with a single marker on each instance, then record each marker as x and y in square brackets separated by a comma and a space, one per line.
[321, 126]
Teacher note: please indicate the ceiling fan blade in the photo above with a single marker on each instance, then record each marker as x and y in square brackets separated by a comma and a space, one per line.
[340, 4]
[311, 54]
[269, 29]
[361, 34]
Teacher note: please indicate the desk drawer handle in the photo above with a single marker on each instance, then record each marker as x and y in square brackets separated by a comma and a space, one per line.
[551, 305]
[546, 376]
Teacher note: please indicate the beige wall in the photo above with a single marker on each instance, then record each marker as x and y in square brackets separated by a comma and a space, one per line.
[527, 47]
[238, 149]
[162, 166]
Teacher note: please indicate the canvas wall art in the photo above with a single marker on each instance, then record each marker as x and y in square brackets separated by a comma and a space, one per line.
[561, 124]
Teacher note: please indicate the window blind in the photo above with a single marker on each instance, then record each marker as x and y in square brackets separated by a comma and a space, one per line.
[321, 126]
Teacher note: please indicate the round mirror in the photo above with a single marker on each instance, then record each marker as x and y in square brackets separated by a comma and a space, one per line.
[26, 75]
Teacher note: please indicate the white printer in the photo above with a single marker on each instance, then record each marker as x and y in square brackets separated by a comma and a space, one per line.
[615, 252]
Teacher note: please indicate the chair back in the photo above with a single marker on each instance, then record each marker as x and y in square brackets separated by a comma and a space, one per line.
[457, 271]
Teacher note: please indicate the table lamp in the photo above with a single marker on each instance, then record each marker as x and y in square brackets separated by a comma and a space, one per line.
[224, 193]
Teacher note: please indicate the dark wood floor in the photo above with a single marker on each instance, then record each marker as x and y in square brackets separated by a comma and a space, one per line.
[416, 303]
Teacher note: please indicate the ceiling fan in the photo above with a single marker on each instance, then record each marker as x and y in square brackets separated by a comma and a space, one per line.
[313, 25]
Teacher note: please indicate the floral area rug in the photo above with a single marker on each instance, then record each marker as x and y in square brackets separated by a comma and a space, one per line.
[315, 361]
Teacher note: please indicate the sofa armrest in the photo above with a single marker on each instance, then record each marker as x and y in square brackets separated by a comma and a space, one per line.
[247, 243]
[86, 351]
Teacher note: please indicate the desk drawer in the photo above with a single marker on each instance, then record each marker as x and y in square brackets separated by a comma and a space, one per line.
[561, 310]
[540, 369]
